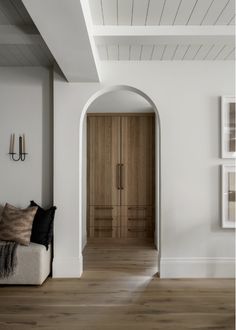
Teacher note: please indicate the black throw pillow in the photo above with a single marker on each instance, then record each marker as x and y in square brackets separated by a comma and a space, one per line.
[42, 229]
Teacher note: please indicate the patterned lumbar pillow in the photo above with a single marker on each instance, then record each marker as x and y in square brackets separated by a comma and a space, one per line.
[16, 224]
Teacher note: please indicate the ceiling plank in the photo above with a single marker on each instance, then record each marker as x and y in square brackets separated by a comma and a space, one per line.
[12, 55]
[223, 53]
[140, 12]
[154, 13]
[96, 12]
[135, 52]
[158, 52]
[146, 52]
[102, 51]
[231, 55]
[124, 52]
[200, 11]
[179, 52]
[20, 56]
[191, 52]
[15, 12]
[202, 52]
[26, 54]
[124, 12]
[186, 9]
[214, 11]
[213, 53]
[110, 12]
[169, 52]
[10, 34]
[3, 18]
[232, 20]
[39, 55]
[169, 12]
[7, 56]
[112, 52]
[225, 17]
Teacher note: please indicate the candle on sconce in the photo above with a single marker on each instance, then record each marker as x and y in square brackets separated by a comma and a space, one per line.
[23, 143]
[20, 145]
[21, 155]
[10, 147]
[13, 143]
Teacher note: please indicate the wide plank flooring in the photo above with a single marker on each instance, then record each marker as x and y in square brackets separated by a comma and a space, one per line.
[119, 290]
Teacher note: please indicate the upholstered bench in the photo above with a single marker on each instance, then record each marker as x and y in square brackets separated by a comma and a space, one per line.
[33, 265]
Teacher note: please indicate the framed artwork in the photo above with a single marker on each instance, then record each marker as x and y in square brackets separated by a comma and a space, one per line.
[228, 196]
[228, 131]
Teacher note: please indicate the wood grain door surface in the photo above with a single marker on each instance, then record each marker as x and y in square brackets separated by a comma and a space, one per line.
[103, 159]
[121, 176]
[137, 158]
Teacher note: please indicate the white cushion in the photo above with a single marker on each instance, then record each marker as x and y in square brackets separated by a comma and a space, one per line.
[33, 265]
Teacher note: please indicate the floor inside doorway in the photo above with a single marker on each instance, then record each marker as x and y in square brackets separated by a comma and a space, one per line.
[121, 258]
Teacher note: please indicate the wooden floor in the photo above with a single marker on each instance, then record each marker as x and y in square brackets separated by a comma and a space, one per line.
[119, 290]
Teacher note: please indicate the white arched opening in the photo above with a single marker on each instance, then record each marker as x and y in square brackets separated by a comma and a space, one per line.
[157, 152]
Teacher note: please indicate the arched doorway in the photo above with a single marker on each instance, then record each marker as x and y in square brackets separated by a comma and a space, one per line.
[82, 182]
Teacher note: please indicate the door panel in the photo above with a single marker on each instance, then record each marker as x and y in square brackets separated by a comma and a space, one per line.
[103, 160]
[121, 180]
[137, 157]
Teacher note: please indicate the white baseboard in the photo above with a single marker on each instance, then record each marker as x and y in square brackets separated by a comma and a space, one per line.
[197, 268]
[67, 267]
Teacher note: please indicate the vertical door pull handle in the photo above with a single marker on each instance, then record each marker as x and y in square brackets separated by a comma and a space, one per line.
[118, 176]
[121, 176]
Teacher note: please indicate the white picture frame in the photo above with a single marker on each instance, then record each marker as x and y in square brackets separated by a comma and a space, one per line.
[228, 187]
[228, 131]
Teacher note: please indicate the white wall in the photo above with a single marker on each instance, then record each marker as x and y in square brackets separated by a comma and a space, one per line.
[187, 96]
[26, 107]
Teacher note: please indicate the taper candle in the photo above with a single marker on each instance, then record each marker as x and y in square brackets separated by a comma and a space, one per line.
[10, 148]
[13, 143]
[24, 143]
[20, 145]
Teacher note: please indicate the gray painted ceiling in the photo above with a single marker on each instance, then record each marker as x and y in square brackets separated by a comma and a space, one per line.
[20, 43]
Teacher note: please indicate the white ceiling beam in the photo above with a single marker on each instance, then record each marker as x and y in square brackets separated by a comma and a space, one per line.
[170, 30]
[62, 26]
[13, 35]
[146, 35]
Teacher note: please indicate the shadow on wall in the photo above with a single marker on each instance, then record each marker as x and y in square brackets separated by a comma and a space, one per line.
[47, 142]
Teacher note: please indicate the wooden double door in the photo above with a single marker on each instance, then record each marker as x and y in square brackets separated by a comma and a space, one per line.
[121, 175]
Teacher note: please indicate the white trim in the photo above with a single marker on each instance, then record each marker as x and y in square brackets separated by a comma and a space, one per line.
[171, 35]
[197, 267]
[170, 30]
[67, 267]
[79, 157]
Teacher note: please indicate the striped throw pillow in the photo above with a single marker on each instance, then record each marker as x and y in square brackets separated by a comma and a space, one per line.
[16, 224]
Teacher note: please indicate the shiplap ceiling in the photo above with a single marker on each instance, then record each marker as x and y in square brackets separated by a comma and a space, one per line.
[115, 24]
[163, 12]
[20, 42]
